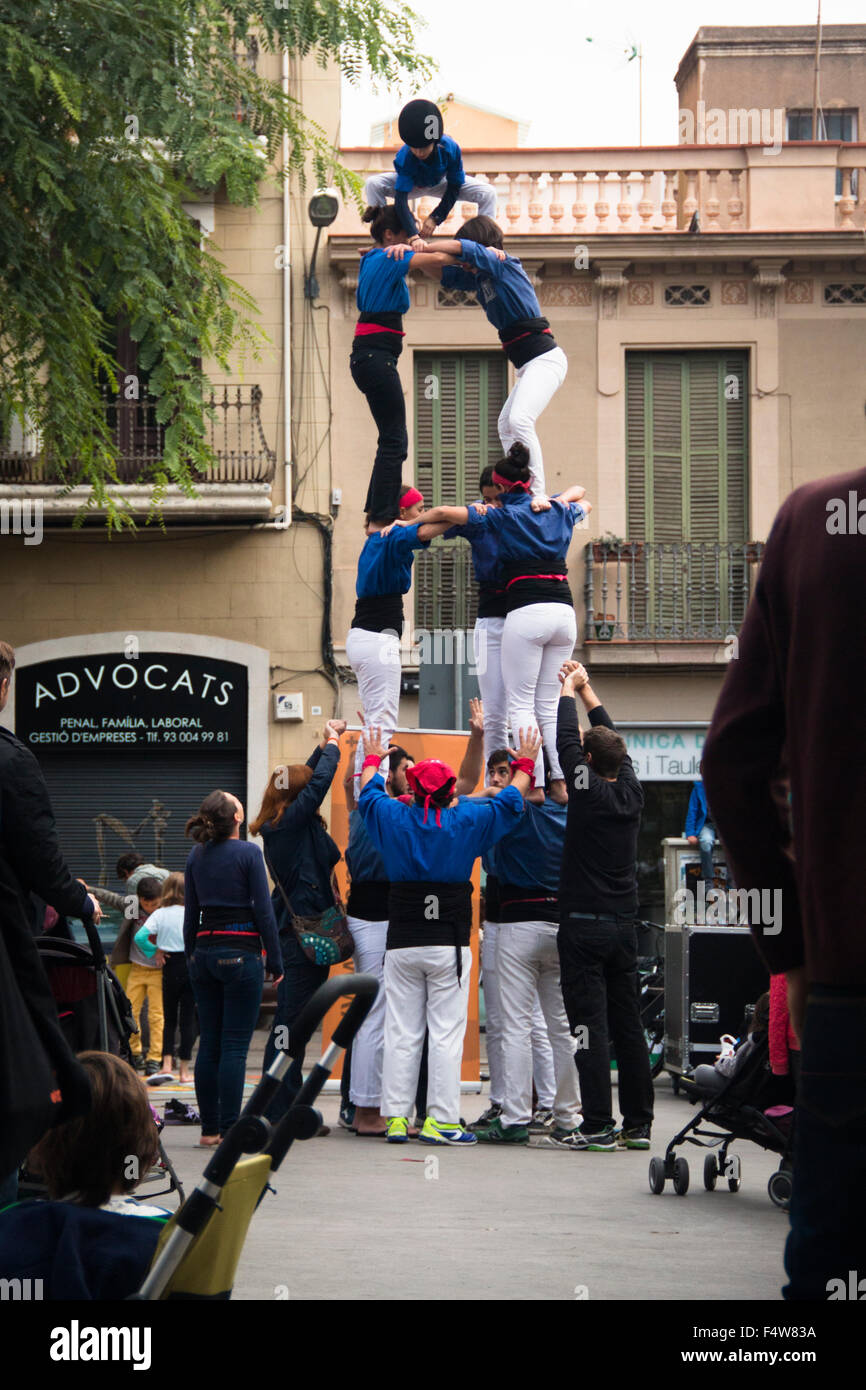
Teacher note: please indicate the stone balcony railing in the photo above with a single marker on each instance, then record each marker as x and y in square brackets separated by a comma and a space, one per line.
[653, 189]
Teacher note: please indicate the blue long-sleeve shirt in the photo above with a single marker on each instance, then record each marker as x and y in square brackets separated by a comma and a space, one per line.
[384, 575]
[698, 813]
[502, 288]
[363, 860]
[443, 165]
[385, 562]
[382, 283]
[230, 874]
[485, 549]
[530, 855]
[522, 535]
[414, 851]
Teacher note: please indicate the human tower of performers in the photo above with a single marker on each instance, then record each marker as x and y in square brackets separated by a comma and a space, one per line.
[556, 823]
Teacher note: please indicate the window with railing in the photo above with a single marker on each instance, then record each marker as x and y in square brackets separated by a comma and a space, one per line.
[683, 566]
[233, 429]
[458, 397]
[667, 591]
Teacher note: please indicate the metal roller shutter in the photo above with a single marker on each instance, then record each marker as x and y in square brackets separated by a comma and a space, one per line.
[95, 798]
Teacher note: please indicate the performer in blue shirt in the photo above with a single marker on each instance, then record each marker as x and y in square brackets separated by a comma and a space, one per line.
[429, 162]
[490, 620]
[527, 865]
[373, 643]
[504, 291]
[540, 629]
[429, 849]
[383, 298]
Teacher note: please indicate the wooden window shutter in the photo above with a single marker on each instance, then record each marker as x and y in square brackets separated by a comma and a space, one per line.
[458, 397]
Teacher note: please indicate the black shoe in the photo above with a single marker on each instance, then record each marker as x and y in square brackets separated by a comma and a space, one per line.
[599, 1141]
[151, 1069]
[484, 1121]
[638, 1138]
[137, 1062]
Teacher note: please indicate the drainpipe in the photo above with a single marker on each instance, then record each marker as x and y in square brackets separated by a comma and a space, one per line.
[287, 308]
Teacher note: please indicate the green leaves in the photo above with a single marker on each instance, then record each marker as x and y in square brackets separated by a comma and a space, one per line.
[112, 115]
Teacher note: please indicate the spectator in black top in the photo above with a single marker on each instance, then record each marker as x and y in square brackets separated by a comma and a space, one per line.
[598, 902]
[228, 919]
[31, 863]
[29, 844]
[301, 855]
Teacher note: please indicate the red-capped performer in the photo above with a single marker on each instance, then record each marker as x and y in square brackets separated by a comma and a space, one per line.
[428, 849]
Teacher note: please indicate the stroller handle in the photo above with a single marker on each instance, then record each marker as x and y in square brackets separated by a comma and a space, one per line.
[364, 989]
[94, 940]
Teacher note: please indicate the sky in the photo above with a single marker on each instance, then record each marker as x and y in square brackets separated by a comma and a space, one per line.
[532, 61]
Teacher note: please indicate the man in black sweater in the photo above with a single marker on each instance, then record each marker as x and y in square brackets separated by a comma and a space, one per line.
[598, 901]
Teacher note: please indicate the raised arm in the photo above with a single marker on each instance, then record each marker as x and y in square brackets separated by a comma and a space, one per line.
[472, 767]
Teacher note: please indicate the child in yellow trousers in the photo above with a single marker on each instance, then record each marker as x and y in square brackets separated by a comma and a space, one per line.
[144, 982]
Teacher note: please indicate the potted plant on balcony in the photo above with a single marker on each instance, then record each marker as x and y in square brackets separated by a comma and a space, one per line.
[611, 547]
[604, 625]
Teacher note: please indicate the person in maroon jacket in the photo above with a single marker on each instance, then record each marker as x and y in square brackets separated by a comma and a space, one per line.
[795, 693]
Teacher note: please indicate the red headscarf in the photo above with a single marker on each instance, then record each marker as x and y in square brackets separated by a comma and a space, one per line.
[510, 484]
[429, 777]
[410, 497]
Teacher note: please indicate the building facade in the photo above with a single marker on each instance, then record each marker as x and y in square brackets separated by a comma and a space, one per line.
[711, 300]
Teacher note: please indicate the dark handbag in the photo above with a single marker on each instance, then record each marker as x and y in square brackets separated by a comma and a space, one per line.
[324, 939]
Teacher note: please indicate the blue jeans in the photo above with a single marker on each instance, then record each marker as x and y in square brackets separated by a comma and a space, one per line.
[227, 986]
[706, 841]
[828, 1205]
[300, 981]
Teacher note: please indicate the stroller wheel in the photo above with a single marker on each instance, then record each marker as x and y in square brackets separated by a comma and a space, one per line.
[779, 1188]
[657, 1176]
[681, 1177]
[711, 1172]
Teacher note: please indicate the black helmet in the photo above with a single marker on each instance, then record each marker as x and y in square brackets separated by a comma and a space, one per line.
[420, 123]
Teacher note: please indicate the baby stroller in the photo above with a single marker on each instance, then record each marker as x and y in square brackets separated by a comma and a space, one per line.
[753, 1104]
[201, 1245]
[94, 1013]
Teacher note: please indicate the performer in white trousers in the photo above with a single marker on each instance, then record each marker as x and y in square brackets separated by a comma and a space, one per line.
[489, 623]
[505, 293]
[527, 864]
[428, 849]
[373, 642]
[367, 914]
[533, 536]
[541, 1052]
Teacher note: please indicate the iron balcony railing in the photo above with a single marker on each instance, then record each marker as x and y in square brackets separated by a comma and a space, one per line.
[667, 591]
[634, 591]
[233, 427]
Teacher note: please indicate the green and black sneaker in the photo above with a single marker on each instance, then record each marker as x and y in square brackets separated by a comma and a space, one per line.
[634, 1138]
[498, 1133]
[493, 1111]
[601, 1142]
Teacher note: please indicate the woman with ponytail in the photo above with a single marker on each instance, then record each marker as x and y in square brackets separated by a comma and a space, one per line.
[228, 922]
[301, 858]
[540, 629]
[383, 299]
[504, 291]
